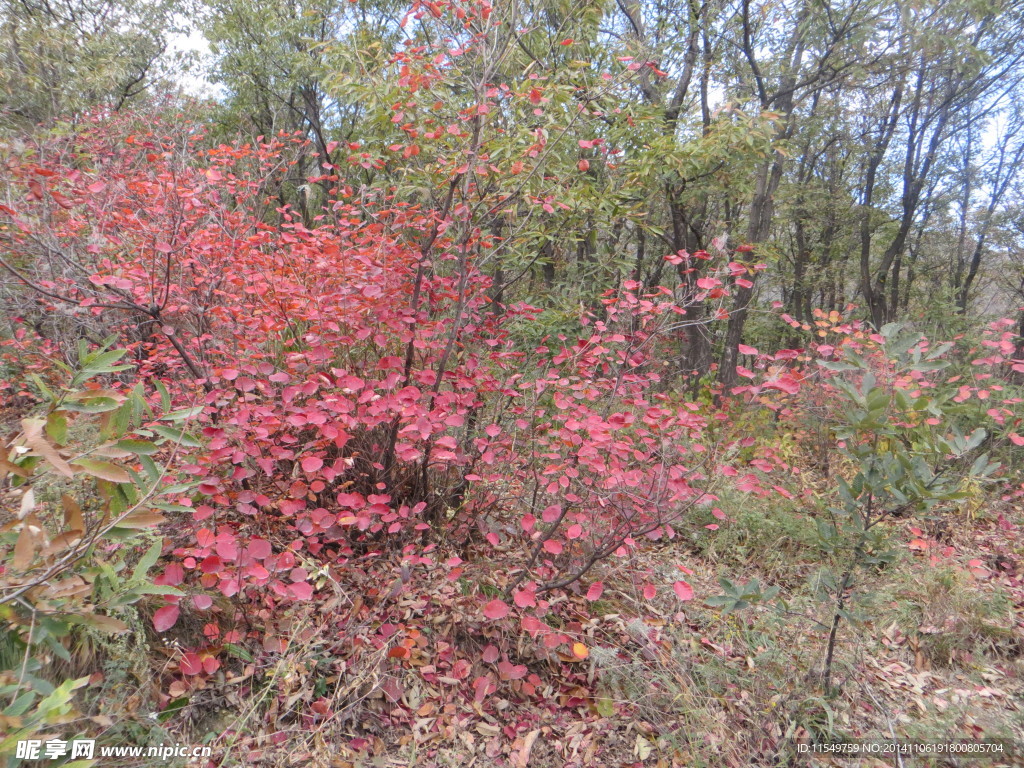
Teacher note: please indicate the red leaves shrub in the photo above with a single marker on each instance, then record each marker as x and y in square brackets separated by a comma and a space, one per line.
[361, 404]
[354, 389]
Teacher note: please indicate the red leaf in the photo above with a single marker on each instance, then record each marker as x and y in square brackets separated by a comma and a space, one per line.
[553, 547]
[301, 590]
[785, 383]
[173, 575]
[496, 610]
[524, 598]
[202, 602]
[312, 463]
[165, 618]
[482, 686]
[683, 590]
[595, 591]
[509, 671]
[259, 549]
[191, 664]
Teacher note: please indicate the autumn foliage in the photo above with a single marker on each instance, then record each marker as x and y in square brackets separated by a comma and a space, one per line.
[356, 391]
[360, 411]
[354, 396]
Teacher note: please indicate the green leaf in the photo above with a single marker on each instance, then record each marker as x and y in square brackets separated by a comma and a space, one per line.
[148, 560]
[168, 507]
[144, 447]
[92, 405]
[934, 365]
[939, 351]
[238, 652]
[837, 366]
[58, 701]
[45, 390]
[157, 589]
[977, 438]
[175, 706]
[982, 468]
[20, 705]
[57, 427]
[717, 601]
[176, 436]
[165, 397]
[106, 359]
[153, 472]
[118, 424]
[183, 413]
[868, 383]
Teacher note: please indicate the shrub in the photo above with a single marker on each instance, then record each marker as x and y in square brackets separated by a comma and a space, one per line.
[83, 490]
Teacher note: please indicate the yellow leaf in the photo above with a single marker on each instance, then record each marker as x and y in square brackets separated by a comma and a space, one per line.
[12, 468]
[24, 550]
[28, 503]
[112, 451]
[41, 447]
[72, 514]
[141, 520]
[106, 623]
[64, 541]
[643, 748]
[103, 470]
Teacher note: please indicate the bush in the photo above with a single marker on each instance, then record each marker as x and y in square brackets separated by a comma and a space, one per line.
[84, 493]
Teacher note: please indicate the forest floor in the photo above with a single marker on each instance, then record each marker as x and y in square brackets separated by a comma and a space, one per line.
[933, 651]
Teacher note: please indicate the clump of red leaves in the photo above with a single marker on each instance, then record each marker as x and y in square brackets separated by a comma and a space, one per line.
[357, 399]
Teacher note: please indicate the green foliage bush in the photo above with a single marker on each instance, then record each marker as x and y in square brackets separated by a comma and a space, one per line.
[83, 492]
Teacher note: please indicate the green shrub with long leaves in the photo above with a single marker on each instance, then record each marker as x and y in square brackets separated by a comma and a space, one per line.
[82, 494]
[906, 455]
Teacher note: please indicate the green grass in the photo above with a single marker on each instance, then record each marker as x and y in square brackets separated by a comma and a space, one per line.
[955, 621]
[782, 545]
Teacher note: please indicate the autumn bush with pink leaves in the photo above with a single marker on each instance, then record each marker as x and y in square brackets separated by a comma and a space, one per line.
[355, 394]
[351, 395]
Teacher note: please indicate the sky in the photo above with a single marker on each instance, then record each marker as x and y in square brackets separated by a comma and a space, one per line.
[193, 80]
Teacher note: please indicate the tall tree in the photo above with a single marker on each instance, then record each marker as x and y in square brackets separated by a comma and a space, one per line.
[58, 57]
[965, 56]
